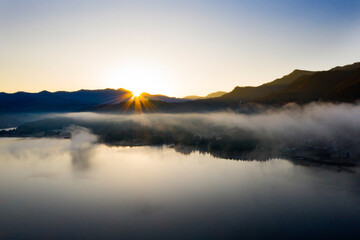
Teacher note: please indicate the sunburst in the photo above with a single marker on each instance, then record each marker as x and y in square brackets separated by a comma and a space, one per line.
[136, 94]
[138, 102]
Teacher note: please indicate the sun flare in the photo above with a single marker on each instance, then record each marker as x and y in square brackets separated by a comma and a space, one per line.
[136, 93]
[139, 75]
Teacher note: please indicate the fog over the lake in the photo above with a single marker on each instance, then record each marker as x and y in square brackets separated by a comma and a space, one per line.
[81, 147]
[56, 180]
[268, 130]
[292, 121]
[337, 125]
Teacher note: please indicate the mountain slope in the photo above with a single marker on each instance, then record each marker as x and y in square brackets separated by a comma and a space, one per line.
[163, 98]
[341, 84]
[251, 93]
[210, 95]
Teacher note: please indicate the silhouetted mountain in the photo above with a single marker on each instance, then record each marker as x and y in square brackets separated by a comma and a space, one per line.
[211, 95]
[68, 101]
[246, 94]
[215, 94]
[340, 84]
[193, 97]
[163, 98]
[350, 67]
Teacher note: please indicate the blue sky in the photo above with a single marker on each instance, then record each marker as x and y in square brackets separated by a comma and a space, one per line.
[170, 47]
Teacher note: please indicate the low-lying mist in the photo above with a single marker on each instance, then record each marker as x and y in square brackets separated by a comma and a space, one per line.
[322, 128]
[81, 147]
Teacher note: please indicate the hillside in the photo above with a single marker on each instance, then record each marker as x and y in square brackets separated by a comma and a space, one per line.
[68, 101]
[340, 84]
[210, 95]
[246, 94]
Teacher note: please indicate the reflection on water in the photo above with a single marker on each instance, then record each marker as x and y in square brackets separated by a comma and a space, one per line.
[71, 189]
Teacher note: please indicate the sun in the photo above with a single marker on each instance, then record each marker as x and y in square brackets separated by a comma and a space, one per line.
[146, 75]
[136, 93]
[138, 102]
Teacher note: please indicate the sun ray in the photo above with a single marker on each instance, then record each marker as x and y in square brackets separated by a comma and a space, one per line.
[135, 101]
[136, 94]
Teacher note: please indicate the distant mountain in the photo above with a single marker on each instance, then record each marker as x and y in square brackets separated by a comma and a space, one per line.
[163, 98]
[340, 84]
[246, 94]
[211, 95]
[193, 97]
[68, 101]
[350, 67]
[290, 78]
[215, 94]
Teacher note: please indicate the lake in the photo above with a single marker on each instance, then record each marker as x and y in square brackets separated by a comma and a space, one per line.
[58, 189]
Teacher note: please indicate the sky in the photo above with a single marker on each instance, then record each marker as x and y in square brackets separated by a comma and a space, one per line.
[176, 48]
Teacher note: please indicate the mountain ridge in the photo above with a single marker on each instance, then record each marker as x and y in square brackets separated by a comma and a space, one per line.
[63, 101]
[338, 84]
[210, 95]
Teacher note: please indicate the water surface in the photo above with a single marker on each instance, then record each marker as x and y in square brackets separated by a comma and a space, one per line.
[54, 189]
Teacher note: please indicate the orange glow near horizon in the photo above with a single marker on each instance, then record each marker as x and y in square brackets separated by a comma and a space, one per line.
[140, 102]
[139, 75]
[136, 94]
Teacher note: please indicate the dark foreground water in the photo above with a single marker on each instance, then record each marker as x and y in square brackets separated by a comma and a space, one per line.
[61, 189]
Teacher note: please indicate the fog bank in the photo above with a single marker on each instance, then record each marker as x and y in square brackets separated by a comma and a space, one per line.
[330, 128]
